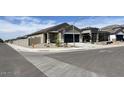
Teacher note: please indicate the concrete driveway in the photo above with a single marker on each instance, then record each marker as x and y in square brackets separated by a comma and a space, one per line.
[12, 64]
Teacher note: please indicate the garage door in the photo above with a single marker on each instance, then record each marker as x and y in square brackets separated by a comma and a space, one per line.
[68, 38]
[119, 37]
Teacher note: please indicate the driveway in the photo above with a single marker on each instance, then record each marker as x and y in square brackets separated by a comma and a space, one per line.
[12, 64]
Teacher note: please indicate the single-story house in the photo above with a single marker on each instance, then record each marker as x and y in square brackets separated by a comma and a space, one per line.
[116, 34]
[49, 35]
[91, 34]
[64, 32]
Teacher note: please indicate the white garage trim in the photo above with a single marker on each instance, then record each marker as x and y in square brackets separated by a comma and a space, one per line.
[112, 37]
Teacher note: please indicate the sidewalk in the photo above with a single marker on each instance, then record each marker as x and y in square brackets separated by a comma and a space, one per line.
[21, 48]
[79, 46]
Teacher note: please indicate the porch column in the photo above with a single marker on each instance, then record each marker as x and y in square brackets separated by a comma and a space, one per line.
[61, 38]
[109, 38]
[97, 37]
[80, 38]
[42, 38]
[90, 37]
[48, 38]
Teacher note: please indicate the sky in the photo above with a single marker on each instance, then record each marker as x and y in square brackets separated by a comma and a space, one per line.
[14, 26]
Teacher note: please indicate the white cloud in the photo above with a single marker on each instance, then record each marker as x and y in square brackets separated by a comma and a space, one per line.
[25, 25]
[18, 26]
[98, 22]
[23, 18]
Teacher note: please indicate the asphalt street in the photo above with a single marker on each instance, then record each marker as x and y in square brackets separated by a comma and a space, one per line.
[106, 62]
[13, 64]
[55, 68]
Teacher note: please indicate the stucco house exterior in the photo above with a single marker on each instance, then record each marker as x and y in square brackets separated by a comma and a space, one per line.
[116, 33]
[64, 32]
[91, 34]
[21, 41]
[117, 36]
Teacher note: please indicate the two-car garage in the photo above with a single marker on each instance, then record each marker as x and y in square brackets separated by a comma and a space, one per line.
[68, 38]
[118, 36]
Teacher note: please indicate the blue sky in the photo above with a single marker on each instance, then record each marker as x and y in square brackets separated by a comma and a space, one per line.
[14, 26]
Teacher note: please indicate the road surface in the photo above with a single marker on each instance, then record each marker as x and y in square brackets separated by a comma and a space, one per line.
[106, 62]
[12, 64]
[100, 62]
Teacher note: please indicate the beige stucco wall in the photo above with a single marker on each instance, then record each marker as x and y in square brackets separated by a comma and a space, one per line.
[61, 38]
[25, 42]
[21, 42]
[40, 35]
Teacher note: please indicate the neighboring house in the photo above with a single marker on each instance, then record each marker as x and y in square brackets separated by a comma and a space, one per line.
[117, 36]
[90, 34]
[116, 32]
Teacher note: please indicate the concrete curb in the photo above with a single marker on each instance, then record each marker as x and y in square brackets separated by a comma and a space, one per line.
[20, 48]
